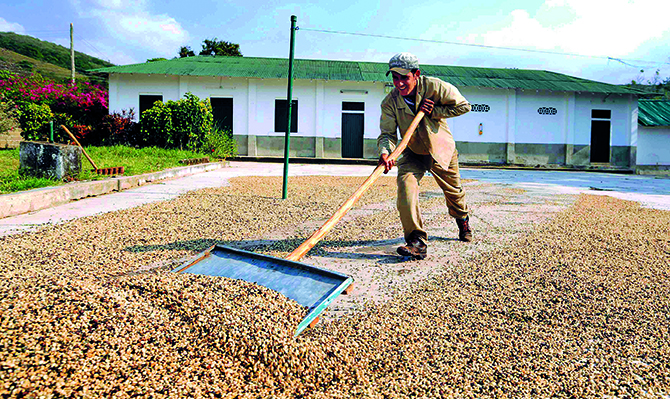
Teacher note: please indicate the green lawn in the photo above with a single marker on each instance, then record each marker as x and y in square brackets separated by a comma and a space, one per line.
[136, 161]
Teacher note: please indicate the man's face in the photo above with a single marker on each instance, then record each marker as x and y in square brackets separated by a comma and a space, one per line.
[405, 83]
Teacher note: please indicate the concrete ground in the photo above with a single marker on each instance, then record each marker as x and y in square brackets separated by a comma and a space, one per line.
[650, 191]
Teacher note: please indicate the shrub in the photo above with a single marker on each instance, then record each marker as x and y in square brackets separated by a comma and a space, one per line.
[5, 74]
[220, 144]
[59, 134]
[182, 124]
[192, 121]
[156, 126]
[85, 104]
[34, 120]
[26, 65]
[120, 128]
[82, 133]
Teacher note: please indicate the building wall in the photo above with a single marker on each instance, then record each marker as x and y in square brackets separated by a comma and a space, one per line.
[125, 90]
[506, 126]
[623, 133]
[653, 146]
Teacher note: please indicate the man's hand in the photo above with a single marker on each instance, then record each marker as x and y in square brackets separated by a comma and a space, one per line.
[427, 105]
[388, 163]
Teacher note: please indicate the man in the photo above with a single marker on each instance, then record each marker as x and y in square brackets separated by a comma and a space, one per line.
[431, 148]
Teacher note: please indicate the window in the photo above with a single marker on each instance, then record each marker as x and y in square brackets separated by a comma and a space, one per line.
[222, 110]
[352, 106]
[147, 101]
[480, 108]
[547, 111]
[281, 112]
[601, 114]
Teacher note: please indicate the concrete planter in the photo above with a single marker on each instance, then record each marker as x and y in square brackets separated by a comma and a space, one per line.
[50, 160]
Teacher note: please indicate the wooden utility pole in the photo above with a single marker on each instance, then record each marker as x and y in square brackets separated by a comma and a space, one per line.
[72, 52]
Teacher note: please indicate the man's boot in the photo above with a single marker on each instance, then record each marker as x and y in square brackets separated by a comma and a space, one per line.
[416, 247]
[464, 231]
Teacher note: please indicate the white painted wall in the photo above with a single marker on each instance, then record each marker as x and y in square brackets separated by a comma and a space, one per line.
[494, 122]
[128, 88]
[332, 122]
[653, 145]
[622, 107]
[533, 127]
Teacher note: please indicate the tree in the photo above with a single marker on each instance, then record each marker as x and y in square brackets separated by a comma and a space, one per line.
[655, 88]
[216, 47]
[185, 51]
[156, 59]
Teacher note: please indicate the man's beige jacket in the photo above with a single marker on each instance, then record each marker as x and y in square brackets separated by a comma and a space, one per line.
[432, 136]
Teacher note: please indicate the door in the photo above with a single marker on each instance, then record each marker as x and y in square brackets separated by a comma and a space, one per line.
[352, 135]
[600, 135]
[600, 141]
[222, 109]
[353, 124]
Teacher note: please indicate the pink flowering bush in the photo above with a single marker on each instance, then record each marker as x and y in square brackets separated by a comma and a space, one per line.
[83, 104]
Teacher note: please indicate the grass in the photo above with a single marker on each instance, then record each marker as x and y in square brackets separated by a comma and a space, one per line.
[135, 160]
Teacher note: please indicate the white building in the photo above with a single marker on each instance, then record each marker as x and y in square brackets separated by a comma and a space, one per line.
[653, 144]
[519, 116]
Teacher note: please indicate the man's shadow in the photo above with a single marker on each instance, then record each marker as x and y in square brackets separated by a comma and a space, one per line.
[383, 251]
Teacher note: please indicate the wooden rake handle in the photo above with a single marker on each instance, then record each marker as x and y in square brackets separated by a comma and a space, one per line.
[299, 252]
[82, 148]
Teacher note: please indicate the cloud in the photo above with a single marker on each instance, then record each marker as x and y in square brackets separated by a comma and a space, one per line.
[130, 23]
[6, 26]
[599, 27]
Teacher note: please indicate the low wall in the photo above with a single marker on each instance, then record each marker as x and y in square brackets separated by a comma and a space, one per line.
[11, 140]
[41, 198]
[527, 154]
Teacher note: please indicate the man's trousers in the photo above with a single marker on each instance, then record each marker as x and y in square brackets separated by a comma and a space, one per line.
[411, 169]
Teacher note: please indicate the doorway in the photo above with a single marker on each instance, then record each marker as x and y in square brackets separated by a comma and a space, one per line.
[353, 125]
[601, 125]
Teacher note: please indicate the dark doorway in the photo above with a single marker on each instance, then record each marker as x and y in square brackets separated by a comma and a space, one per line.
[600, 141]
[147, 101]
[352, 135]
[222, 109]
[353, 125]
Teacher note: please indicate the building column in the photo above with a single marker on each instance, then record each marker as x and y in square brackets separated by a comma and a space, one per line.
[569, 127]
[114, 93]
[183, 86]
[319, 100]
[632, 126]
[251, 118]
[511, 127]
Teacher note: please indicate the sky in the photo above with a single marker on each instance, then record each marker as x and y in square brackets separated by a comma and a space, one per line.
[604, 40]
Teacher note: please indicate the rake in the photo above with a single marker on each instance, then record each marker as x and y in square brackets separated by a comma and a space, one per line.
[117, 170]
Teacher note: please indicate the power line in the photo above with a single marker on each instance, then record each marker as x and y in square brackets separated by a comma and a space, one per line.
[90, 45]
[484, 46]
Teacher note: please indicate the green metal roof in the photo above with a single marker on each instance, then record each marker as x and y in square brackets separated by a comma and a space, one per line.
[653, 113]
[277, 68]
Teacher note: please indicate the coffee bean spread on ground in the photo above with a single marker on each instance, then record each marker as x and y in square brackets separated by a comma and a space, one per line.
[573, 301]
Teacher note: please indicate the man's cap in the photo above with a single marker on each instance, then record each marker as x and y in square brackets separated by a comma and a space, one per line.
[403, 63]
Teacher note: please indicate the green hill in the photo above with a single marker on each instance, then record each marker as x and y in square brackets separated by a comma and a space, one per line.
[49, 52]
[26, 54]
[22, 65]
